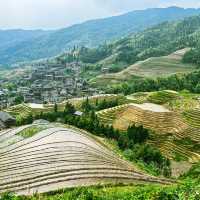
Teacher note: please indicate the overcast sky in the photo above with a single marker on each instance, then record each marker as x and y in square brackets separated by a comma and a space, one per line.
[51, 14]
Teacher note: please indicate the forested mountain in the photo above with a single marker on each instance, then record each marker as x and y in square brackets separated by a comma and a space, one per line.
[22, 45]
[16, 36]
[159, 40]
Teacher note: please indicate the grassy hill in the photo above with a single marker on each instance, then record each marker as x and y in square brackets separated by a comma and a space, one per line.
[22, 45]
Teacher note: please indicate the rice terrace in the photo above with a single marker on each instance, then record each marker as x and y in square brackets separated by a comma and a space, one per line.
[59, 157]
[44, 156]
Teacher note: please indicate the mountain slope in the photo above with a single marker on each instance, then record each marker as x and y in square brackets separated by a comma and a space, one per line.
[13, 37]
[153, 67]
[161, 40]
[91, 33]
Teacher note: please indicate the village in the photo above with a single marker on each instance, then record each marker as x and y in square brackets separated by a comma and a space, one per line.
[46, 83]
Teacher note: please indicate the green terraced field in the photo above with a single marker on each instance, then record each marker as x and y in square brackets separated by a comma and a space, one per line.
[162, 97]
[193, 117]
[159, 97]
[21, 110]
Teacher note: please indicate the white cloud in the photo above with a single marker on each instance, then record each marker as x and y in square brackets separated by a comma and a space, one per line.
[31, 14]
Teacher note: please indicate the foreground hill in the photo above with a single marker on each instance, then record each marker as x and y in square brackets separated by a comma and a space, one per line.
[52, 158]
[91, 33]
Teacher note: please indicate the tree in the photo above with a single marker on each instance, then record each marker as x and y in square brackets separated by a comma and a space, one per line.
[55, 108]
[97, 102]
[123, 141]
[19, 99]
[137, 134]
[69, 109]
[197, 88]
[86, 106]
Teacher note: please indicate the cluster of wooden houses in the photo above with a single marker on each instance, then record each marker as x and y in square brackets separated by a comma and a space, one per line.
[49, 83]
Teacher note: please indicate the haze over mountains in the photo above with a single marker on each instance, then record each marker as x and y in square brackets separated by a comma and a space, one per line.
[20, 45]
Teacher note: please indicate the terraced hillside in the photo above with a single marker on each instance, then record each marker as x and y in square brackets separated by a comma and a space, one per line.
[151, 68]
[22, 109]
[179, 102]
[176, 137]
[192, 117]
[57, 158]
[152, 116]
[176, 151]
[108, 116]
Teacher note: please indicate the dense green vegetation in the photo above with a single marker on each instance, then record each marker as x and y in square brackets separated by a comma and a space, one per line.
[159, 40]
[94, 55]
[99, 105]
[134, 148]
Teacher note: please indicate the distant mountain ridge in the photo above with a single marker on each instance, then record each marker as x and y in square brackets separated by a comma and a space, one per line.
[31, 45]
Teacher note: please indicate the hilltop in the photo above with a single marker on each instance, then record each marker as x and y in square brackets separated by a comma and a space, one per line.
[42, 44]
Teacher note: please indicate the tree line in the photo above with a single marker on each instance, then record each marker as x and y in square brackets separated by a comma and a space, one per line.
[190, 82]
[87, 106]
